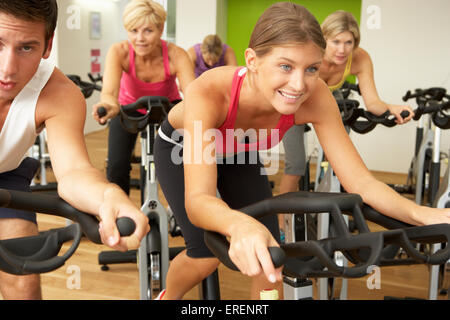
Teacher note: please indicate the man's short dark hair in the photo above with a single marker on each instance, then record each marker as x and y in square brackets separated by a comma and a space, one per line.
[34, 10]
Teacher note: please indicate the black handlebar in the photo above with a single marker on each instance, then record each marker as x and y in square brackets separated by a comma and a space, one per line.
[348, 87]
[434, 93]
[351, 113]
[429, 101]
[93, 79]
[219, 246]
[156, 109]
[87, 88]
[434, 101]
[101, 111]
[38, 254]
[314, 258]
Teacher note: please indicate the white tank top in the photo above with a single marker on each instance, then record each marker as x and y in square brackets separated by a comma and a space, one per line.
[19, 130]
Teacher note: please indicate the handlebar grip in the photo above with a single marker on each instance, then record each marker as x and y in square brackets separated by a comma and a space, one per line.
[404, 114]
[126, 226]
[363, 127]
[219, 246]
[101, 112]
[50, 204]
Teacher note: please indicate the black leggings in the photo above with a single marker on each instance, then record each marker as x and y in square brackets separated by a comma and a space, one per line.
[121, 144]
[120, 150]
[239, 185]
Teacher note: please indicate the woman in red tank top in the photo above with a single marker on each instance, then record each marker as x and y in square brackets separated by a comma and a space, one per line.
[143, 65]
[280, 87]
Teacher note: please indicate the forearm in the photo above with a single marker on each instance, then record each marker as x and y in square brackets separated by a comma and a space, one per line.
[87, 189]
[388, 202]
[211, 213]
[111, 99]
[377, 107]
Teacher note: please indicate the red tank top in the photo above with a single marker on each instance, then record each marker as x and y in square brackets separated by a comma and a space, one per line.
[261, 140]
[132, 88]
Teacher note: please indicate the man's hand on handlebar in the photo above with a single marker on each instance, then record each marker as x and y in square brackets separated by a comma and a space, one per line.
[248, 249]
[115, 205]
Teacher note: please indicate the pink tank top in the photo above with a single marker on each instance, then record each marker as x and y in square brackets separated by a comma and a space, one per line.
[226, 142]
[132, 88]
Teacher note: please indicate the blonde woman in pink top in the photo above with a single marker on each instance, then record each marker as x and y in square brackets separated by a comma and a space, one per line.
[143, 65]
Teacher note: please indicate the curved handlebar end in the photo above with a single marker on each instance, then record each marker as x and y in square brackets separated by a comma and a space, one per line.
[404, 114]
[278, 256]
[219, 246]
[101, 112]
[126, 226]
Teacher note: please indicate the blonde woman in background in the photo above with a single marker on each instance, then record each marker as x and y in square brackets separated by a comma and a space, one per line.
[343, 57]
[143, 65]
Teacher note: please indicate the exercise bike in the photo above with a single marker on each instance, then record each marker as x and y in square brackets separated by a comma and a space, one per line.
[365, 249]
[154, 253]
[423, 173]
[39, 150]
[40, 254]
[319, 226]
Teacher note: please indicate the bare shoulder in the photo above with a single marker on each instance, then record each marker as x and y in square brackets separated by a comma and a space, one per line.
[216, 81]
[361, 59]
[191, 53]
[120, 50]
[60, 97]
[212, 90]
[360, 53]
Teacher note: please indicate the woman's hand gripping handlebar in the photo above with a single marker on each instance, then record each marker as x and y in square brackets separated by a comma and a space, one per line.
[135, 116]
[38, 254]
[102, 112]
[315, 258]
[300, 202]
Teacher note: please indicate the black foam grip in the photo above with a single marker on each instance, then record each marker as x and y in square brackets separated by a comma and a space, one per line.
[126, 226]
[219, 246]
[404, 114]
[101, 112]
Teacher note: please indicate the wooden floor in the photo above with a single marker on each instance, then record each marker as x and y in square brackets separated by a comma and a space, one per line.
[122, 282]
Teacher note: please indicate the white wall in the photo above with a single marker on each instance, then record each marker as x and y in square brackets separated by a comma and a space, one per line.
[411, 49]
[199, 18]
[73, 48]
[73, 45]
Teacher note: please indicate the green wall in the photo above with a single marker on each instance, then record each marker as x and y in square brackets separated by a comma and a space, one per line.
[243, 14]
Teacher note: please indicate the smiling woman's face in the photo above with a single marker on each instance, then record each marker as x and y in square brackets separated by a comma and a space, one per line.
[288, 74]
[145, 38]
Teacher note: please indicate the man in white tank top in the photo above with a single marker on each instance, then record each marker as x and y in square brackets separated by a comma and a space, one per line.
[33, 95]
